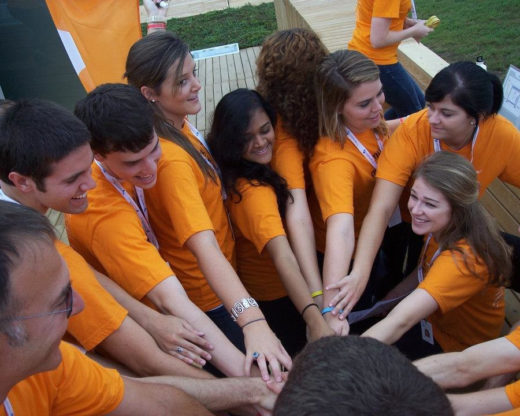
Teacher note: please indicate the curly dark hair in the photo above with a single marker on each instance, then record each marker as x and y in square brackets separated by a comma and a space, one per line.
[227, 141]
[285, 68]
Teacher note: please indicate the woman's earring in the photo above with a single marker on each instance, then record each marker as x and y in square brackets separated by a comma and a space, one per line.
[472, 123]
[152, 101]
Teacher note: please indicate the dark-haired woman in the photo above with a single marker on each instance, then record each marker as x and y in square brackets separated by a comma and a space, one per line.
[458, 296]
[463, 100]
[186, 206]
[241, 139]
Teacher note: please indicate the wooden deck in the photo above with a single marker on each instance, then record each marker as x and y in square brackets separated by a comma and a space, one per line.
[220, 75]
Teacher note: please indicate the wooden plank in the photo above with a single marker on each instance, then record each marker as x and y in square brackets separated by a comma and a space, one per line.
[224, 71]
[504, 219]
[508, 199]
[200, 122]
[238, 66]
[252, 64]
[248, 72]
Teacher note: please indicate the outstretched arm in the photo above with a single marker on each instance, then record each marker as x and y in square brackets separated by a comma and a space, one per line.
[223, 279]
[416, 306]
[338, 254]
[224, 394]
[157, 399]
[385, 198]
[293, 281]
[169, 296]
[168, 331]
[300, 231]
[459, 369]
[480, 403]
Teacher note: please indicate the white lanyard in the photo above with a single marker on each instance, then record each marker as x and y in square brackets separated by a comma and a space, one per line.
[420, 273]
[362, 149]
[214, 166]
[437, 144]
[141, 210]
[8, 408]
[414, 11]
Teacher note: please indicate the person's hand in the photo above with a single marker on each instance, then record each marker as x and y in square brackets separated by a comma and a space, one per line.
[153, 9]
[177, 337]
[350, 289]
[339, 326]
[420, 30]
[319, 330]
[408, 22]
[259, 339]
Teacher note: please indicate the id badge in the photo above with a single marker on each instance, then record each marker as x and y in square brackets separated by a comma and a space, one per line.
[427, 331]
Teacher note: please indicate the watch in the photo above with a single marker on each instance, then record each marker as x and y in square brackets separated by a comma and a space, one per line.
[240, 307]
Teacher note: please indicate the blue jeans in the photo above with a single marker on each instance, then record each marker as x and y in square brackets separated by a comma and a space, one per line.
[401, 91]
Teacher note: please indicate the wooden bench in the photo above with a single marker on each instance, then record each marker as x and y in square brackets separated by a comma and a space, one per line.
[334, 22]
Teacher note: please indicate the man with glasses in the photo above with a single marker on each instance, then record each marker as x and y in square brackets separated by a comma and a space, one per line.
[40, 374]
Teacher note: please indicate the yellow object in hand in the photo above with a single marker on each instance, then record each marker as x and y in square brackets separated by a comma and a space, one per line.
[432, 22]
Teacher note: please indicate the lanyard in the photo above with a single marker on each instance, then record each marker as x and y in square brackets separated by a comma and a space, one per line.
[213, 165]
[8, 408]
[414, 11]
[362, 149]
[141, 210]
[437, 143]
[420, 274]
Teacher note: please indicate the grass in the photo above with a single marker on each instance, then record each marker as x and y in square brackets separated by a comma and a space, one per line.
[470, 28]
[247, 25]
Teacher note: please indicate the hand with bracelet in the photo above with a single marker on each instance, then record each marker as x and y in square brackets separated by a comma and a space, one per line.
[261, 343]
[157, 14]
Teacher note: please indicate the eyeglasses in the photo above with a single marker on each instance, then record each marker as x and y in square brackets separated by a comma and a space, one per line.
[68, 308]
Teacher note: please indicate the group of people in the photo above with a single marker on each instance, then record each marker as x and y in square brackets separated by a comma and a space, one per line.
[195, 257]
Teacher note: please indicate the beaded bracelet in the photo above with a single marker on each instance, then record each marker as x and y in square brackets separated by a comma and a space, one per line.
[316, 293]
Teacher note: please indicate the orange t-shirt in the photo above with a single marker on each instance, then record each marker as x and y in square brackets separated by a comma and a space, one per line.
[513, 389]
[102, 315]
[291, 164]
[343, 177]
[496, 152]
[109, 235]
[78, 386]
[256, 221]
[98, 35]
[395, 10]
[470, 311]
[181, 204]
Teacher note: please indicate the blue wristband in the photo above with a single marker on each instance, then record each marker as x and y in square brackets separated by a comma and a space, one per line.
[326, 310]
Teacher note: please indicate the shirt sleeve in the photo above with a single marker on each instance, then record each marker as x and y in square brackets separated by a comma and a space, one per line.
[450, 283]
[257, 216]
[86, 387]
[121, 246]
[186, 209]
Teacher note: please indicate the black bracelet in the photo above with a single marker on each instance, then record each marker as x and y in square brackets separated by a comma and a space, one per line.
[308, 306]
[250, 322]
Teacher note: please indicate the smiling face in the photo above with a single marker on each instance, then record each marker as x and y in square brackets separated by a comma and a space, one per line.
[66, 187]
[179, 97]
[362, 110]
[139, 169]
[450, 123]
[260, 138]
[429, 208]
[40, 285]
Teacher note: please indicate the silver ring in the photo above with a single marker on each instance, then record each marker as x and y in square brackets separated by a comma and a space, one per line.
[255, 355]
[179, 349]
